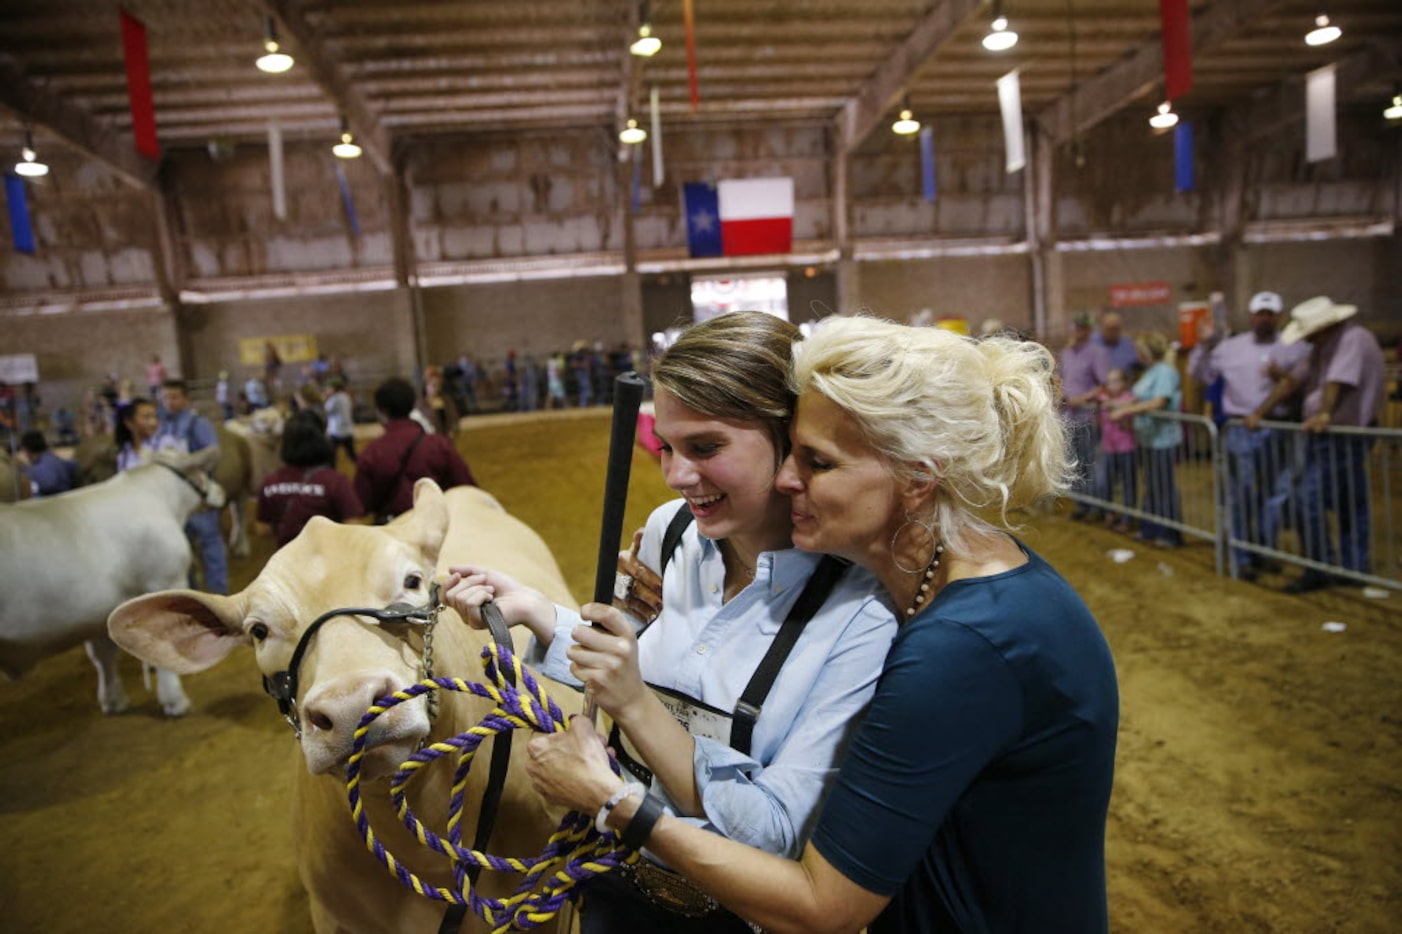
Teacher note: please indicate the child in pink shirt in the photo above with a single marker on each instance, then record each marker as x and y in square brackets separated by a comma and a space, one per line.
[1117, 447]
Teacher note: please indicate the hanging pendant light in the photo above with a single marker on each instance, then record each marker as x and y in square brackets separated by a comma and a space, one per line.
[1165, 119]
[632, 134]
[646, 45]
[273, 60]
[1323, 32]
[1394, 111]
[347, 148]
[907, 124]
[29, 165]
[1000, 38]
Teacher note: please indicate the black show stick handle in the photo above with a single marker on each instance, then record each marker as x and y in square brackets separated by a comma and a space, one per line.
[627, 397]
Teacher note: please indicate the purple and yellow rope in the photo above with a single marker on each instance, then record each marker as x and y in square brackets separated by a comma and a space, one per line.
[576, 851]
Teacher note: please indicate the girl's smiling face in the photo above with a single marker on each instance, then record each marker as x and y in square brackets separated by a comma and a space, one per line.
[725, 469]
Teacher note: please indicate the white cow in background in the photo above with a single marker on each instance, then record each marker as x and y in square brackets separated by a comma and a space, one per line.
[66, 561]
[348, 664]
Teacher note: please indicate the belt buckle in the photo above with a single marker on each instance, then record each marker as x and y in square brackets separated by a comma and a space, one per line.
[669, 891]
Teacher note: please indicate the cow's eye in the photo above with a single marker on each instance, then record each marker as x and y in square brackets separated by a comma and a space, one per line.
[413, 581]
[258, 631]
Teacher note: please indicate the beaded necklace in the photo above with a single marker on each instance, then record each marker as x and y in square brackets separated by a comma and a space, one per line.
[922, 593]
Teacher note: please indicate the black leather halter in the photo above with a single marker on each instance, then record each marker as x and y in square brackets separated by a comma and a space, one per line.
[282, 685]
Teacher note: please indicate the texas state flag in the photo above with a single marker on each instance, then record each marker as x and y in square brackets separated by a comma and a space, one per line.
[739, 217]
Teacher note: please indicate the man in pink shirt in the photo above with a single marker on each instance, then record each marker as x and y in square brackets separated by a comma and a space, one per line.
[1248, 364]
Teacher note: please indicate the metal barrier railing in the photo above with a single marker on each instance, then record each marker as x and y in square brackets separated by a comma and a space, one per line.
[1332, 495]
[1171, 490]
[1327, 501]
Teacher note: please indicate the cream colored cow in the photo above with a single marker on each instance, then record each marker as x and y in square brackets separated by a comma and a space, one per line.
[349, 663]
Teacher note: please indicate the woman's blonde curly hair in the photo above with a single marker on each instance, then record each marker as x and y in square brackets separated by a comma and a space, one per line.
[979, 417]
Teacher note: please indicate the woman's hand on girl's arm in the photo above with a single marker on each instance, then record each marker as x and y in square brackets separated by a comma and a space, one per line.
[572, 769]
[470, 586]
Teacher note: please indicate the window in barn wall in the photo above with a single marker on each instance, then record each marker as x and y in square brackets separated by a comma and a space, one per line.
[711, 297]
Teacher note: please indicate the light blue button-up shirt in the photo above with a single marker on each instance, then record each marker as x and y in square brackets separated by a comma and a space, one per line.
[709, 650]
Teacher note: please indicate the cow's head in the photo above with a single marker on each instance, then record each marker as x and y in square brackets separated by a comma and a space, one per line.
[350, 661]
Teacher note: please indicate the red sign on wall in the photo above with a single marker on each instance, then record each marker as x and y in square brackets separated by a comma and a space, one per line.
[1131, 294]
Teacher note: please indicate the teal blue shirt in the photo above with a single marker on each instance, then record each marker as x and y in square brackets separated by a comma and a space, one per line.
[976, 788]
[1159, 381]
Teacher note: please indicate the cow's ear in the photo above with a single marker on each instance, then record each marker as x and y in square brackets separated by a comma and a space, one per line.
[427, 524]
[181, 630]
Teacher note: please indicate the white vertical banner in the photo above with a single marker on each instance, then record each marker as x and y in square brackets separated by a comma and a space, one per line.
[657, 170]
[1010, 103]
[275, 166]
[1320, 141]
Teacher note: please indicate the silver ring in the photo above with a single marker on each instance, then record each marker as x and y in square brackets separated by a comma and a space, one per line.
[623, 586]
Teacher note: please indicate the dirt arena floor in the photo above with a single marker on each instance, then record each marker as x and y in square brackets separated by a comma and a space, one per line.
[1258, 787]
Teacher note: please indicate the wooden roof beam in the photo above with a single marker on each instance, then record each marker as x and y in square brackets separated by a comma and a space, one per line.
[334, 78]
[35, 104]
[1141, 68]
[866, 109]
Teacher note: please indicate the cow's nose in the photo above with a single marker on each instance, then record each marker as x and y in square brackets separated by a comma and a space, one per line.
[340, 705]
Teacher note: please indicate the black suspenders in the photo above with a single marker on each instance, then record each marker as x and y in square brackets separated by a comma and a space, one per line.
[824, 578]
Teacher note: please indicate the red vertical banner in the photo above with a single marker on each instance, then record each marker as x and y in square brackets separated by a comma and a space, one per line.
[143, 109]
[1177, 48]
[689, 21]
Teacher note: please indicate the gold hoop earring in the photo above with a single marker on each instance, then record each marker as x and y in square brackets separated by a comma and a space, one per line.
[929, 528]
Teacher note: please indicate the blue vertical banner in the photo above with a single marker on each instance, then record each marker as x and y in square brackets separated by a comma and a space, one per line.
[702, 204]
[637, 178]
[346, 200]
[1183, 177]
[17, 200]
[927, 162]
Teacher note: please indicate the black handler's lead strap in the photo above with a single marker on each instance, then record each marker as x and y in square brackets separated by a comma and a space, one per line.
[453, 915]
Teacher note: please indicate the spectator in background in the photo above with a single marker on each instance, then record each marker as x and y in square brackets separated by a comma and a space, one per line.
[581, 364]
[272, 369]
[156, 376]
[555, 382]
[389, 465]
[221, 395]
[307, 484]
[137, 424]
[1084, 367]
[340, 421]
[467, 383]
[530, 384]
[257, 392]
[320, 369]
[1343, 383]
[1116, 459]
[65, 426]
[1255, 458]
[1160, 389]
[435, 406]
[189, 434]
[47, 472]
[1120, 350]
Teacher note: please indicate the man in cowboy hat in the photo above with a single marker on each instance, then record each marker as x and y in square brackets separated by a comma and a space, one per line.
[1342, 380]
[1248, 364]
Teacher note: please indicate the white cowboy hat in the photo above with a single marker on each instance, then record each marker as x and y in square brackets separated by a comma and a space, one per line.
[1313, 315]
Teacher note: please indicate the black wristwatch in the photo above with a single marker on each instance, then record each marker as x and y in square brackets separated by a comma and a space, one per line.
[644, 819]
